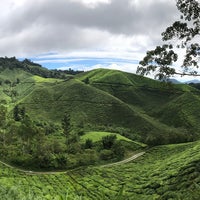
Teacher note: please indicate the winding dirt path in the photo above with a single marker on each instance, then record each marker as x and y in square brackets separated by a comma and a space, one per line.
[124, 161]
[29, 171]
[62, 172]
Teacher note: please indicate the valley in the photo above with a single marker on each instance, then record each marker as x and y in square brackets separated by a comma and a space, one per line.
[76, 124]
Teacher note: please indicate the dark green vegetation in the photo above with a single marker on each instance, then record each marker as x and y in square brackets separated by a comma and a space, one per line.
[90, 119]
[33, 68]
[195, 85]
[164, 172]
[44, 119]
[185, 31]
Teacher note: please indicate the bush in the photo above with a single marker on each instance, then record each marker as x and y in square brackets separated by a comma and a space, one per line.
[118, 150]
[108, 141]
[106, 154]
[88, 144]
[89, 157]
[74, 148]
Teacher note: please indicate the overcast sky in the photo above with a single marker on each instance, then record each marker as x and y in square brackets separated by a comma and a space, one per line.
[83, 34]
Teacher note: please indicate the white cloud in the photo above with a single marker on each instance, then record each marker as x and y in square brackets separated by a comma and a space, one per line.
[117, 66]
[38, 26]
[92, 3]
[80, 29]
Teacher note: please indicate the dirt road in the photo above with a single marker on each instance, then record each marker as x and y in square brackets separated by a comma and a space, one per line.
[126, 160]
[60, 172]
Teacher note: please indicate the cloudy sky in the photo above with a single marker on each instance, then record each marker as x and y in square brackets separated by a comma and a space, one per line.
[83, 34]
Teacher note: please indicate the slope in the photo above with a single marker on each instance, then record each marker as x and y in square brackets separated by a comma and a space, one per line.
[183, 111]
[14, 85]
[86, 104]
[135, 90]
[164, 172]
[135, 106]
[147, 97]
[17, 83]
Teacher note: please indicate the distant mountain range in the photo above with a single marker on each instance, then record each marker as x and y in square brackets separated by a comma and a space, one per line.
[193, 81]
[174, 81]
[186, 82]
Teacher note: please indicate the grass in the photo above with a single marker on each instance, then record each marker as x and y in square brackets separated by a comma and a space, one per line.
[111, 99]
[97, 136]
[164, 172]
[86, 104]
[39, 79]
[12, 75]
[182, 111]
[162, 106]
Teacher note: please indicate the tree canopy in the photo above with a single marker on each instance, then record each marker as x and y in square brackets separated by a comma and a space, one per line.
[34, 68]
[184, 34]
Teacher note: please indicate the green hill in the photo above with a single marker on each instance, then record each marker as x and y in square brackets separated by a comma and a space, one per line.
[133, 89]
[112, 100]
[101, 100]
[113, 107]
[147, 97]
[164, 172]
[183, 111]
[87, 105]
[52, 120]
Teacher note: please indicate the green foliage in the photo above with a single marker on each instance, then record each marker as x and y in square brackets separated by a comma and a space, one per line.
[124, 103]
[88, 144]
[3, 116]
[182, 112]
[96, 136]
[66, 125]
[111, 148]
[123, 109]
[164, 172]
[106, 154]
[134, 108]
[8, 82]
[86, 80]
[118, 150]
[19, 113]
[161, 60]
[34, 68]
[195, 85]
[108, 141]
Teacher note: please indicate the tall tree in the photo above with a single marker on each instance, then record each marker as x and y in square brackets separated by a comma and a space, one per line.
[3, 113]
[187, 30]
[16, 113]
[66, 124]
[19, 113]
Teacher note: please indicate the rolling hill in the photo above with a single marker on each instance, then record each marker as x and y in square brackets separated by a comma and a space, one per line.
[111, 115]
[140, 108]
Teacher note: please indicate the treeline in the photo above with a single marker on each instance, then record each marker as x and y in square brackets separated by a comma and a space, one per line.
[41, 145]
[195, 85]
[34, 68]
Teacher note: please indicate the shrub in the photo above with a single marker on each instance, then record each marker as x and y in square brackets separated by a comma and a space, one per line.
[108, 141]
[106, 154]
[118, 150]
[88, 144]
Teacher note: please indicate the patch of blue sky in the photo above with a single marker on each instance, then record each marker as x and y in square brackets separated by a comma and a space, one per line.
[53, 63]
